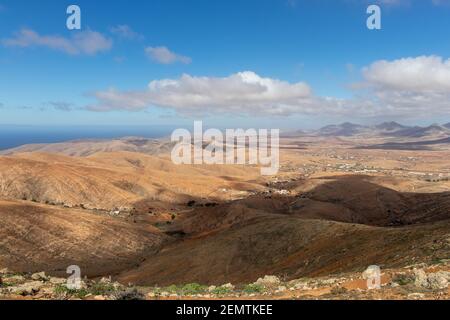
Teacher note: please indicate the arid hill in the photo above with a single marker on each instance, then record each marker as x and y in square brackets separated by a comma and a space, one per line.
[88, 147]
[336, 224]
[289, 247]
[138, 217]
[36, 238]
[113, 180]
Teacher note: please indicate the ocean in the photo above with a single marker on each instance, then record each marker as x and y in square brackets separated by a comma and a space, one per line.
[16, 135]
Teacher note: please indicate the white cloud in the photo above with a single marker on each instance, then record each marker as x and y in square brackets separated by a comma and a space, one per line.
[126, 32]
[422, 74]
[165, 56]
[84, 42]
[410, 87]
[244, 92]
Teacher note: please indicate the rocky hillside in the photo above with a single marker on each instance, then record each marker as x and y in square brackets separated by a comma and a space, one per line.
[416, 282]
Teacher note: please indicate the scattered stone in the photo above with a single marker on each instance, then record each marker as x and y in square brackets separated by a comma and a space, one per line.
[228, 286]
[28, 288]
[434, 281]
[130, 294]
[39, 276]
[268, 281]
[421, 279]
[281, 288]
[15, 279]
[438, 280]
[57, 281]
[416, 296]
[211, 288]
[165, 294]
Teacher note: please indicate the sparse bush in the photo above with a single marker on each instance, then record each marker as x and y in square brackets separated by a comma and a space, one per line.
[62, 290]
[130, 294]
[102, 288]
[403, 279]
[338, 290]
[193, 288]
[253, 288]
[220, 291]
[173, 289]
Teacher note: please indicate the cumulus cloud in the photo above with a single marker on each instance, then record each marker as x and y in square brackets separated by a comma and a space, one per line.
[126, 32]
[409, 87]
[164, 56]
[84, 42]
[421, 74]
[244, 92]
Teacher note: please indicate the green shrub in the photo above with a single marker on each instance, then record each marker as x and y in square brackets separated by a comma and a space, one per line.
[221, 291]
[403, 279]
[129, 294]
[253, 288]
[101, 288]
[193, 288]
[62, 290]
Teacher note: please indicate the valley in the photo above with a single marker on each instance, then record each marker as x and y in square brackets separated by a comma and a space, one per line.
[336, 206]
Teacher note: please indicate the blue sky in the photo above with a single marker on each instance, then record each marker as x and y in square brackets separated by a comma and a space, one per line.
[308, 55]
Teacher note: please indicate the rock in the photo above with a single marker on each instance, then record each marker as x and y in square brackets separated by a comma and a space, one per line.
[268, 281]
[438, 280]
[151, 294]
[15, 279]
[328, 281]
[28, 288]
[211, 288]
[57, 281]
[228, 286]
[301, 286]
[421, 279]
[282, 288]
[106, 280]
[4, 271]
[434, 281]
[416, 296]
[129, 294]
[39, 276]
[99, 297]
[394, 285]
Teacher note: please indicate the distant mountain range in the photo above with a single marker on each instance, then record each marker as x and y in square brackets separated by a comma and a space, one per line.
[388, 129]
